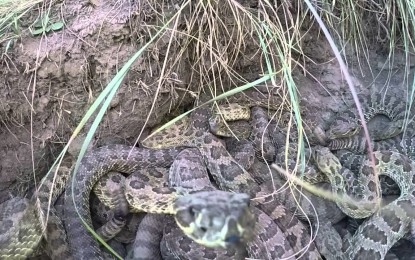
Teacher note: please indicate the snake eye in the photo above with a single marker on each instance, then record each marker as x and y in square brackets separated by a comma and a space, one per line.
[192, 212]
[232, 239]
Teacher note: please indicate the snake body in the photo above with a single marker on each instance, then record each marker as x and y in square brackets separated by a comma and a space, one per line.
[119, 158]
[225, 211]
[148, 237]
[269, 241]
[393, 146]
[25, 222]
[230, 175]
[372, 240]
[403, 142]
[188, 170]
[22, 211]
[387, 225]
[360, 196]
[391, 105]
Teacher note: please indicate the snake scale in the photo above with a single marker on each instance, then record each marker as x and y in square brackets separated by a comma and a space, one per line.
[268, 242]
[101, 161]
[373, 238]
[230, 175]
[325, 213]
[214, 218]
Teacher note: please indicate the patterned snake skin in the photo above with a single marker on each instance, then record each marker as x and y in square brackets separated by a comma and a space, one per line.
[230, 175]
[20, 221]
[212, 218]
[403, 142]
[190, 171]
[392, 106]
[280, 233]
[218, 222]
[381, 231]
[367, 195]
[117, 158]
[389, 223]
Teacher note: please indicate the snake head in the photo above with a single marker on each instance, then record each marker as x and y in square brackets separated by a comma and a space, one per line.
[323, 157]
[344, 125]
[325, 160]
[216, 218]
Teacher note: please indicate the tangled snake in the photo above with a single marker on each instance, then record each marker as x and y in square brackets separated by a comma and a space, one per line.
[192, 173]
[373, 239]
[230, 175]
[214, 218]
[391, 105]
[116, 157]
[212, 151]
[188, 170]
[268, 237]
[21, 221]
[393, 153]
[388, 224]
[272, 244]
[219, 222]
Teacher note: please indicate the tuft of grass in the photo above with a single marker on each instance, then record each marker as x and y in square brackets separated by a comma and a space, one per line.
[10, 13]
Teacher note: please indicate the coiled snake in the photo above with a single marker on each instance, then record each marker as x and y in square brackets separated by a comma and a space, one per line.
[213, 218]
[391, 105]
[230, 175]
[219, 222]
[390, 223]
[21, 219]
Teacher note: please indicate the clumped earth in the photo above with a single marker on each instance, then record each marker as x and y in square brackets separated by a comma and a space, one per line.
[48, 81]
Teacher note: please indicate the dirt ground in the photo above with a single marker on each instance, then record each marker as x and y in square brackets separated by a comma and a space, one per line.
[48, 82]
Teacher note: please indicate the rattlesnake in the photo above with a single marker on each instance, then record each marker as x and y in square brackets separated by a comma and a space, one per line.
[388, 224]
[212, 150]
[149, 234]
[225, 216]
[278, 249]
[366, 189]
[193, 212]
[192, 173]
[390, 136]
[268, 243]
[189, 170]
[327, 213]
[391, 105]
[229, 175]
[359, 195]
[105, 158]
[384, 135]
[21, 219]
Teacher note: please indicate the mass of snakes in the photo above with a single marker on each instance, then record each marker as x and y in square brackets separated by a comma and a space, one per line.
[205, 188]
